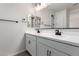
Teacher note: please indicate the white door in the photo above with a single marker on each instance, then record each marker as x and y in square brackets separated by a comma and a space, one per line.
[54, 52]
[33, 47]
[43, 50]
[60, 20]
[27, 43]
[31, 44]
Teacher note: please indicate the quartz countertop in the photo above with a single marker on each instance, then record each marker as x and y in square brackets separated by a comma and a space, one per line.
[68, 39]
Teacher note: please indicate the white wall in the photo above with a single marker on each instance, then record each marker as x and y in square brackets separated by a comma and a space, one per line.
[14, 11]
[74, 18]
[12, 34]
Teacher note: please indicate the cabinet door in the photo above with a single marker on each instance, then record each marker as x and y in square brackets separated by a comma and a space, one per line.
[43, 50]
[27, 43]
[53, 52]
[33, 47]
[31, 44]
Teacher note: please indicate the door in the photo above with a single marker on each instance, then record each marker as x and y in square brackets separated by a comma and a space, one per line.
[44, 50]
[54, 52]
[32, 47]
[27, 43]
[60, 20]
[31, 44]
[41, 50]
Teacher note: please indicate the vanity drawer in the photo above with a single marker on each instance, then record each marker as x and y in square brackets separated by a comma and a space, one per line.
[64, 48]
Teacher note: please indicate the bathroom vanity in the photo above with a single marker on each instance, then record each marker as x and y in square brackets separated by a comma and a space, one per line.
[41, 44]
[62, 16]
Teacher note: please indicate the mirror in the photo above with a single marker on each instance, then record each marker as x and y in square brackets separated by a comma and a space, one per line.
[54, 15]
[59, 15]
[46, 19]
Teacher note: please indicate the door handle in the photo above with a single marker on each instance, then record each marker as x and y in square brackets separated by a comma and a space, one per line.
[29, 42]
[47, 52]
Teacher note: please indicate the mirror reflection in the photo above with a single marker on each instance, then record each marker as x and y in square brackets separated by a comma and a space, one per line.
[55, 15]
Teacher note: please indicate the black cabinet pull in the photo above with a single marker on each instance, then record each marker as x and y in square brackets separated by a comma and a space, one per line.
[50, 53]
[29, 42]
[47, 52]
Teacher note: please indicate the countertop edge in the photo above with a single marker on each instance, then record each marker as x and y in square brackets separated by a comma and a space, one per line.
[58, 40]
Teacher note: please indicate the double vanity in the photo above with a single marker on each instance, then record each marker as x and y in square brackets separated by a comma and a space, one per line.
[45, 44]
[54, 43]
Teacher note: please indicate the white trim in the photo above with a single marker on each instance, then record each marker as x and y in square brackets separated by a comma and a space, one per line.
[17, 52]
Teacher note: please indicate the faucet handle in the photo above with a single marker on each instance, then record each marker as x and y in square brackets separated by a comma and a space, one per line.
[57, 32]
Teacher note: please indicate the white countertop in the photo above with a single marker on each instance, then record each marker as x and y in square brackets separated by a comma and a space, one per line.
[74, 40]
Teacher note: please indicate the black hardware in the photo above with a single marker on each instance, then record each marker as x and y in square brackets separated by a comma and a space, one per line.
[47, 52]
[29, 42]
[38, 31]
[8, 20]
[57, 32]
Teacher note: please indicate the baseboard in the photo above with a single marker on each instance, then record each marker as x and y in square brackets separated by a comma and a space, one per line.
[28, 53]
[13, 54]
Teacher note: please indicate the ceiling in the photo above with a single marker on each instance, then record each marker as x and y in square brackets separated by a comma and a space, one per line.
[60, 6]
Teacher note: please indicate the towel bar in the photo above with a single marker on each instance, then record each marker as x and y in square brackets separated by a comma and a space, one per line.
[8, 20]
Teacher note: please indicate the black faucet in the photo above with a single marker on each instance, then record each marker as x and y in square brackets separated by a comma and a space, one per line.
[38, 31]
[57, 32]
